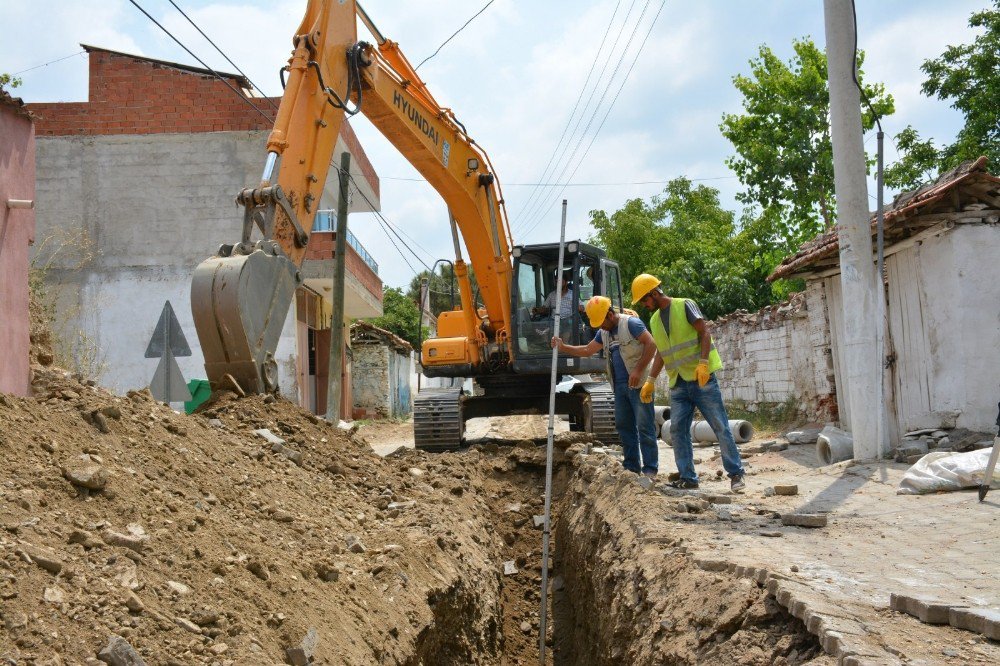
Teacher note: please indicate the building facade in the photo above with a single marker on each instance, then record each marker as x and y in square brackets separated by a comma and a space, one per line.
[942, 284]
[17, 233]
[142, 178]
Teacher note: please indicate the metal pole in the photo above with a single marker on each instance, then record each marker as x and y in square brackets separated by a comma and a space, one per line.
[333, 392]
[857, 273]
[548, 446]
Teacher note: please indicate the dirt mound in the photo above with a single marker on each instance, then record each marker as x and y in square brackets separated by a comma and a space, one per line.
[40, 335]
[195, 540]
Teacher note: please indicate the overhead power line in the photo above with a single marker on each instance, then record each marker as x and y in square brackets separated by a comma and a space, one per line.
[209, 39]
[527, 214]
[203, 64]
[531, 218]
[51, 62]
[388, 226]
[565, 184]
[605, 118]
[453, 34]
[576, 105]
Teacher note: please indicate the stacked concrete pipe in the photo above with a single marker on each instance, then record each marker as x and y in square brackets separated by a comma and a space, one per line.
[701, 431]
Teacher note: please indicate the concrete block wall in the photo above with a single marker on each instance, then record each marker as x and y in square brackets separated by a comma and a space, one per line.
[780, 353]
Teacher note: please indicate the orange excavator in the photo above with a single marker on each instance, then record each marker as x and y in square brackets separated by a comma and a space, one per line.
[240, 297]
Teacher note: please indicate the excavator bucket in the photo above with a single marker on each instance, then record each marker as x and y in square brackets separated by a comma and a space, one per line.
[240, 303]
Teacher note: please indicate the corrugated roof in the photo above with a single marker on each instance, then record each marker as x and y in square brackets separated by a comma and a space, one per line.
[970, 176]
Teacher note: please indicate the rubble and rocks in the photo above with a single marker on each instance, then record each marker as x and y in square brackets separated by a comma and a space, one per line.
[804, 519]
[803, 435]
[118, 652]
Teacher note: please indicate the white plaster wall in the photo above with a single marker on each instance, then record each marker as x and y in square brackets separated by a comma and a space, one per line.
[977, 273]
[960, 283]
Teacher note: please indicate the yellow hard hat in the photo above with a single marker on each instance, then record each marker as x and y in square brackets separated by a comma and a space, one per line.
[597, 309]
[642, 285]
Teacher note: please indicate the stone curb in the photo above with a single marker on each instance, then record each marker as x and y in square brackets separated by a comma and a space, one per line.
[840, 637]
[958, 614]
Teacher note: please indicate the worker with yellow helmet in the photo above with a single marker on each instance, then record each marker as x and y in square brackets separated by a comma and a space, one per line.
[689, 356]
[628, 349]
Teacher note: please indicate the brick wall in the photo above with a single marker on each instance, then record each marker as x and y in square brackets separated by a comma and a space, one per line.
[133, 95]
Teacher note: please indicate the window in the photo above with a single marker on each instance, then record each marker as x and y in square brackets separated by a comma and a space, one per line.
[614, 284]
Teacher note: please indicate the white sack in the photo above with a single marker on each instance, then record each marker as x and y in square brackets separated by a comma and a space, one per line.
[945, 471]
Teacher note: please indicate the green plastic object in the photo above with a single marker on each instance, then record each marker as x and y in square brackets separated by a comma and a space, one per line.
[200, 391]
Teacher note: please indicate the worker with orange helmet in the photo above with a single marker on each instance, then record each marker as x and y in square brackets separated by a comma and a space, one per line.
[628, 349]
[691, 360]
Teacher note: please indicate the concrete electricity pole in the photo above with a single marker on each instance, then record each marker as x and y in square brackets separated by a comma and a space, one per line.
[334, 392]
[859, 286]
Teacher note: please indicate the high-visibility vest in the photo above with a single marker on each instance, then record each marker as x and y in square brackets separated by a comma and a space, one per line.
[630, 348]
[680, 350]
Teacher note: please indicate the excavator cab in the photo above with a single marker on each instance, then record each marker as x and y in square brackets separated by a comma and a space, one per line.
[585, 272]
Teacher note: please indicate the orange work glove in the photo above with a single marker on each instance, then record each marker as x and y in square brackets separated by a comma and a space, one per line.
[701, 372]
[646, 393]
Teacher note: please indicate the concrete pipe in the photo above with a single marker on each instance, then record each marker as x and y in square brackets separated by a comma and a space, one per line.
[662, 413]
[701, 431]
[834, 445]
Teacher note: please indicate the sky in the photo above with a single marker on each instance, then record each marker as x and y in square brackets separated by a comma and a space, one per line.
[517, 77]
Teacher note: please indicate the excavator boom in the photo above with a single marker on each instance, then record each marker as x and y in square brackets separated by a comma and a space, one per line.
[240, 297]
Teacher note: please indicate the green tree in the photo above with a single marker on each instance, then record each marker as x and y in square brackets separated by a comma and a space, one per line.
[784, 155]
[400, 315]
[969, 76]
[919, 161]
[9, 80]
[440, 285]
[685, 237]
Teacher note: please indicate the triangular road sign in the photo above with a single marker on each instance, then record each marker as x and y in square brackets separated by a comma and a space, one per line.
[168, 334]
[168, 383]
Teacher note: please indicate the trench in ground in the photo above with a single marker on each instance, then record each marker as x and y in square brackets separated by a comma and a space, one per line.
[613, 598]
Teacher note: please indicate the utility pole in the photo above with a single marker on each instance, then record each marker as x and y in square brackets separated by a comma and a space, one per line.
[860, 290]
[333, 391]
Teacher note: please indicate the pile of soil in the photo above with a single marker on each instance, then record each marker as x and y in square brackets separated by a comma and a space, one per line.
[39, 332]
[194, 540]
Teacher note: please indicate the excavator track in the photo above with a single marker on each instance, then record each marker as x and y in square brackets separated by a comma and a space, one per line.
[602, 411]
[437, 419]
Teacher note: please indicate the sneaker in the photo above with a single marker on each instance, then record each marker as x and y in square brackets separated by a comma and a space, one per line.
[649, 474]
[737, 484]
[684, 484]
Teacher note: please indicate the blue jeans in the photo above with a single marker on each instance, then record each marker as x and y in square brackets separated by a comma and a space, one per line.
[684, 397]
[636, 426]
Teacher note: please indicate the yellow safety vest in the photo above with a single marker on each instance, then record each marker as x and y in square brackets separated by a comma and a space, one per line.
[680, 350]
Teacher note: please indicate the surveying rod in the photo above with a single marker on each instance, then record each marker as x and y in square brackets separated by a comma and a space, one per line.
[548, 445]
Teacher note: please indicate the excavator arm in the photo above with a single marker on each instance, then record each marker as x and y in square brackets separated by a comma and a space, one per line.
[240, 297]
